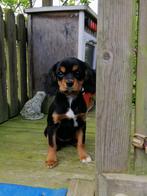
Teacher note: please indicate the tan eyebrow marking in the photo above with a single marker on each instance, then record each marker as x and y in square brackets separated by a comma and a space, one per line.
[62, 69]
[75, 67]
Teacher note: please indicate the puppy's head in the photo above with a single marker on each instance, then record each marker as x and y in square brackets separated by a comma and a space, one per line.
[67, 76]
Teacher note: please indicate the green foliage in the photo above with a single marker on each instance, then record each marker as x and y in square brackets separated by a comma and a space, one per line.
[15, 4]
[87, 2]
[69, 2]
[133, 60]
[76, 2]
[19, 5]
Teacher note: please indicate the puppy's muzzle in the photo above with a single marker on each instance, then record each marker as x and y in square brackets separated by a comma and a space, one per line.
[69, 83]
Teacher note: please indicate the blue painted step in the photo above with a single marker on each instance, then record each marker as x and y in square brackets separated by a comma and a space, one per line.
[21, 190]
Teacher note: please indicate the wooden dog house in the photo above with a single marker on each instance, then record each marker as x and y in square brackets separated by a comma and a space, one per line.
[58, 32]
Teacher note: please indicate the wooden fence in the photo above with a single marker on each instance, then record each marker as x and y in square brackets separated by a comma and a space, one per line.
[13, 66]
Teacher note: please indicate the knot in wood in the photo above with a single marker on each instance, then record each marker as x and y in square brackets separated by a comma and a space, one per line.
[106, 56]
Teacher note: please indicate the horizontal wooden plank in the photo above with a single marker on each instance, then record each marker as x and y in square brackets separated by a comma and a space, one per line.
[122, 184]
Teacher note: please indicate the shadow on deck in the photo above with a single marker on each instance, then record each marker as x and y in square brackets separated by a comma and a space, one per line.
[23, 149]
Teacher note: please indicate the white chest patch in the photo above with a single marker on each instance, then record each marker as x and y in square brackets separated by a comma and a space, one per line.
[70, 112]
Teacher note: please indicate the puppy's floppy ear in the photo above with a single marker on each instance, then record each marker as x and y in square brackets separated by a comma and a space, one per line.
[51, 84]
[90, 80]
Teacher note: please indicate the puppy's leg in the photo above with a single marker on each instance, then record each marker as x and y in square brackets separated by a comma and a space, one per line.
[52, 154]
[58, 117]
[84, 157]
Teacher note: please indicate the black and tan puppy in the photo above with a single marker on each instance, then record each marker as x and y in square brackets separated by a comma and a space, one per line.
[66, 122]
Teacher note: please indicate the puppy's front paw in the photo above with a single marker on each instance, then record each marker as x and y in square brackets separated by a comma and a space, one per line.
[51, 163]
[86, 159]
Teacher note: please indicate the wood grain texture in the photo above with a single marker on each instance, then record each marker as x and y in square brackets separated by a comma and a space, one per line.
[3, 88]
[122, 185]
[23, 149]
[114, 86]
[11, 63]
[141, 93]
[47, 2]
[30, 59]
[22, 64]
[54, 36]
[79, 187]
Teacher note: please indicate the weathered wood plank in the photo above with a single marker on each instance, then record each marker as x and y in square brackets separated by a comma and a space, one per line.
[3, 90]
[11, 63]
[141, 94]
[47, 2]
[23, 152]
[62, 28]
[30, 58]
[22, 64]
[122, 185]
[79, 187]
[114, 85]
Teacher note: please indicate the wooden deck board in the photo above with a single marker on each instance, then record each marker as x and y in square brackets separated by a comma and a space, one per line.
[79, 187]
[23, 152]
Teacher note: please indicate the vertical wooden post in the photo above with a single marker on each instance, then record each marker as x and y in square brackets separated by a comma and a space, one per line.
[114, 85]
[30, 57]
[141, 95]
[11, 63]
[3, 90]
[22, 65]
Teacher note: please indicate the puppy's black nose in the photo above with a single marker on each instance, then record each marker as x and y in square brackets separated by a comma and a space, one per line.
[69, 83]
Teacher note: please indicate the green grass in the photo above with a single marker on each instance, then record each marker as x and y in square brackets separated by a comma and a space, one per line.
[23, 150]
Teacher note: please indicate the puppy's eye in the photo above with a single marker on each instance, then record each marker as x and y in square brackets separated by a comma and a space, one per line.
[77, 74]
[60, 74]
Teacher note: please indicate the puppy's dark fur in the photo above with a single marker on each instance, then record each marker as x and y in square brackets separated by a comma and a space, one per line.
[66, 122]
